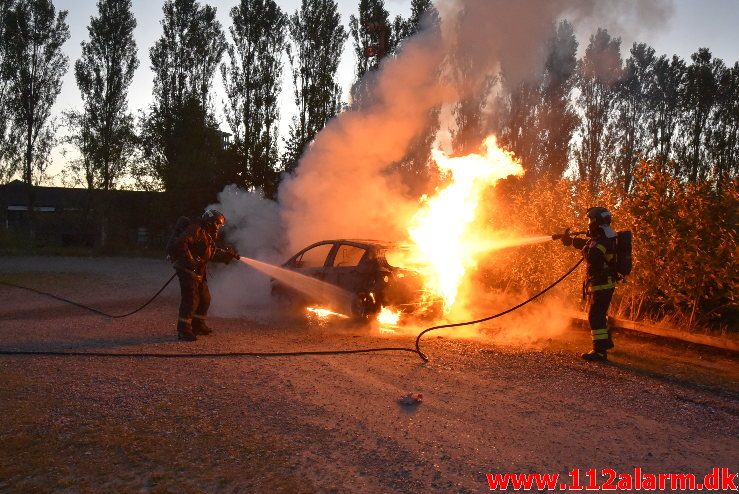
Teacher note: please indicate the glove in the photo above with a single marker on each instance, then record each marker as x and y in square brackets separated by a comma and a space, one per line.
[229, 254]
[565, 238]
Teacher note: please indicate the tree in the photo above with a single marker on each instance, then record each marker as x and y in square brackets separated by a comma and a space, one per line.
[598, 72]
[557, 117]
[664, 97]
[697, 102]
[634, 109]
[105, 133]
[34, 65]
[469, 110]
[723, 140]
[422, 11]
[198, 166]
[253, 81]
[186, 56]
[520, 132]
[316, 42]
[414, 165]
[5, 114]
[181, 142]
[373, 36]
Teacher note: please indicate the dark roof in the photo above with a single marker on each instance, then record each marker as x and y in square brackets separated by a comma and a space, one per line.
[15, 193]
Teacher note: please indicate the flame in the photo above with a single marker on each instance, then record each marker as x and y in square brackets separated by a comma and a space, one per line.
[323, 313]
[446, 233]
[388, 317]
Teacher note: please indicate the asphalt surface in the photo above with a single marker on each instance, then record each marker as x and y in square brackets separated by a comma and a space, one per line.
[327, 423]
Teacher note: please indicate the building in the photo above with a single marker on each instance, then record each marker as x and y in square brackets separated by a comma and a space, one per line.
[79, 217]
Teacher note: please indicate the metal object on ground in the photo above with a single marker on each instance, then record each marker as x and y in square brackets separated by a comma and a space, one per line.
[411, 399]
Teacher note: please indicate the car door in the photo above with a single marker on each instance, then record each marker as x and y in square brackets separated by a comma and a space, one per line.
[313, 260]
[345, 269]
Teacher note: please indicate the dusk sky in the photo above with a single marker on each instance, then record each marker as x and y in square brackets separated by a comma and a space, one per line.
[694, 24]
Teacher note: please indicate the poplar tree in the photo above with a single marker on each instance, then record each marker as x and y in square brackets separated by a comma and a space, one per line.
[469, 111]
[317, 40]
[374, 37]
[698, 100]
[723, 141]
[598, 73]
[633, 113]
[557, 117]
[669, 78]
[33, 66]
[104, 131]
[414, 165]
[182, 144]
[253, 79]
[5, 166]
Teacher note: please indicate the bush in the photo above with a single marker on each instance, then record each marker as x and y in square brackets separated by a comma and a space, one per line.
[685, 245]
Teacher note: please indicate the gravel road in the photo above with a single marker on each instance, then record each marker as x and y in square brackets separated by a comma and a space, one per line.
[326, 423]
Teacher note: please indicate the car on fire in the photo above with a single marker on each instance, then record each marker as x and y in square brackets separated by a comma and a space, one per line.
[362, 270]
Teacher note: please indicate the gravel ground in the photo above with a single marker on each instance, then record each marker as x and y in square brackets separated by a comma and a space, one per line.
[320, 423]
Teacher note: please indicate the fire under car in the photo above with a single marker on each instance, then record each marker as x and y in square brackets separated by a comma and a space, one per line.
[360, 268]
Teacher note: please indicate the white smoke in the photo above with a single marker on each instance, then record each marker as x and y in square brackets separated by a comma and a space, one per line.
[254, 228]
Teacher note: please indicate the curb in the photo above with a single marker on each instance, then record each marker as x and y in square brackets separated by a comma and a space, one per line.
[731, 345]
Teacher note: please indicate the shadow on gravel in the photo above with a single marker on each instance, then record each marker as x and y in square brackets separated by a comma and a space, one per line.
[60, 345]
[60, 310]
[692, 382]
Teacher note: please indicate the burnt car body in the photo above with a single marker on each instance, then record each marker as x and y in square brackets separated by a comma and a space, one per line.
[361, 268]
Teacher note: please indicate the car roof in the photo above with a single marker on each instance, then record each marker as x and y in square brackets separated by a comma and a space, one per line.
[368, 242]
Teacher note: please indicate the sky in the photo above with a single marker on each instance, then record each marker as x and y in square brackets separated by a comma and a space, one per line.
[694, 23]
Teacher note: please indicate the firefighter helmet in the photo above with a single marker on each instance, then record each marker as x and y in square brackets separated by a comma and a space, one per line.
[599, 218]
[214, 218]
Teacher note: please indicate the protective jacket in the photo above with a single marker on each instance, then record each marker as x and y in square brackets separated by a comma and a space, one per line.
[600, 254]
[195, 248]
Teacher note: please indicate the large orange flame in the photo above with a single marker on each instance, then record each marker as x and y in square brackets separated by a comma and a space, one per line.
[446, 231]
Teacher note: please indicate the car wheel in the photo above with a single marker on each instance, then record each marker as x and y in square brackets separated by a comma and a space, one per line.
[364, 306]
[281, 297]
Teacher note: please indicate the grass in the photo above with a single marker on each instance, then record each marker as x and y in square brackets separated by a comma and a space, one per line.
[21, 245]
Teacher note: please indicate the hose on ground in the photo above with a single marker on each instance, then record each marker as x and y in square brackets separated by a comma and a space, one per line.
[91, 309]
[494, 316]
[416, 350]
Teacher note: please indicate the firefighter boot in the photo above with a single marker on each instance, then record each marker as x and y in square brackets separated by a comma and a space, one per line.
[184, 332]
[199, 327]
[595, 356]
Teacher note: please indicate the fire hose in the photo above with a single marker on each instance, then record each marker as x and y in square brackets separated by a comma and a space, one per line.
[91, 309]
[416, 350]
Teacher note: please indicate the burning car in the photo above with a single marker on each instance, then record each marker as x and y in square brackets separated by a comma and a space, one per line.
[360, 268]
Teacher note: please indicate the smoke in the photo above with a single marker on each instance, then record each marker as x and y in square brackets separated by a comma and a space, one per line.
[254, 228]
[345, 185]
[631, 20]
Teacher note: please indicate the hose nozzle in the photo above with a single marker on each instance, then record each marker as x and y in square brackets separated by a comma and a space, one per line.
[566, 233]
[560, 236]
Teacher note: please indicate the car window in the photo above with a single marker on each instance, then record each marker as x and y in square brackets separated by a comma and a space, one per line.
[315, 257]
[348, 255]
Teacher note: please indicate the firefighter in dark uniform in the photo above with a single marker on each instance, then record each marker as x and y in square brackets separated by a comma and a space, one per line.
[599, 251]
[191, 252]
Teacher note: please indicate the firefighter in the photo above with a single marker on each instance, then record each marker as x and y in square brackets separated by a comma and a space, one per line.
[191, 252]
[599, 251]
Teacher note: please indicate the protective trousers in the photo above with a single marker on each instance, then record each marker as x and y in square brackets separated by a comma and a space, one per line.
[194, 302]
[600, 300]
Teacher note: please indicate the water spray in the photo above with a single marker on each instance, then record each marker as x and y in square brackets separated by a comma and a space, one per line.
[311, 287]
